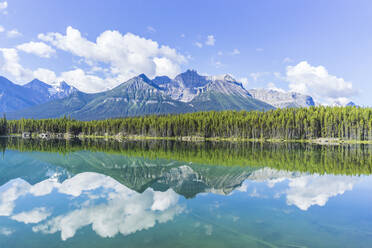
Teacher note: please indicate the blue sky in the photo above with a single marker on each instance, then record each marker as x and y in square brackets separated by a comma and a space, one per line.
[318, 47]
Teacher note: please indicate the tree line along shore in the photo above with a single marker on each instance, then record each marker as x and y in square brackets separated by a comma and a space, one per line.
[313, 123]
[295, 157]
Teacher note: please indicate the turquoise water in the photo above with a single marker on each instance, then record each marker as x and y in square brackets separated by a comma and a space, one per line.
[85, 198]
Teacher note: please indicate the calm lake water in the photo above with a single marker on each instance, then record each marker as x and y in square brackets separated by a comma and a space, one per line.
[97, 193]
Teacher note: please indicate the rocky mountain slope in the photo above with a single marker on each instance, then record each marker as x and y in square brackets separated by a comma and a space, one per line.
[188, 92]
[224, 93]
[281, 99]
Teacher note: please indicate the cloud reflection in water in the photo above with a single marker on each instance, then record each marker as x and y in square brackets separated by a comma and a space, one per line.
[110, 208]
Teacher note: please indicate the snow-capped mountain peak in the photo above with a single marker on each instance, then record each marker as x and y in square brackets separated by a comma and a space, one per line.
[61, 90]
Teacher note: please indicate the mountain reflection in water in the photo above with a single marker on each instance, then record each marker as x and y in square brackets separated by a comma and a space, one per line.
[127, 190]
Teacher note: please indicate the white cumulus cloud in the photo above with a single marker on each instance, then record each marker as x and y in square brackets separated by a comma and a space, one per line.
[317, 82]
[10, 65]
[86, 82]
[126, 55]
[38, 48]
[45, 75]
[164, 65]
[118, 57]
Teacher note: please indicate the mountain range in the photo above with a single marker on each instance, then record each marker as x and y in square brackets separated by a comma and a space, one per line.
[14, 97]
[187, 92]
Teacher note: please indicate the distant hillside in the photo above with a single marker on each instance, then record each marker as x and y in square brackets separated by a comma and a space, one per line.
[15, 97]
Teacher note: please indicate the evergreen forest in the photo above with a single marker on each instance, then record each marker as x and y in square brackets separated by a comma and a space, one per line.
[350, 123]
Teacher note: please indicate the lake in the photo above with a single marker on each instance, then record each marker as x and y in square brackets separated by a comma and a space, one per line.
[102, 193]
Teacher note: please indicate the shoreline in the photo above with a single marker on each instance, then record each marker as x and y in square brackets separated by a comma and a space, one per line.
[320, 141]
